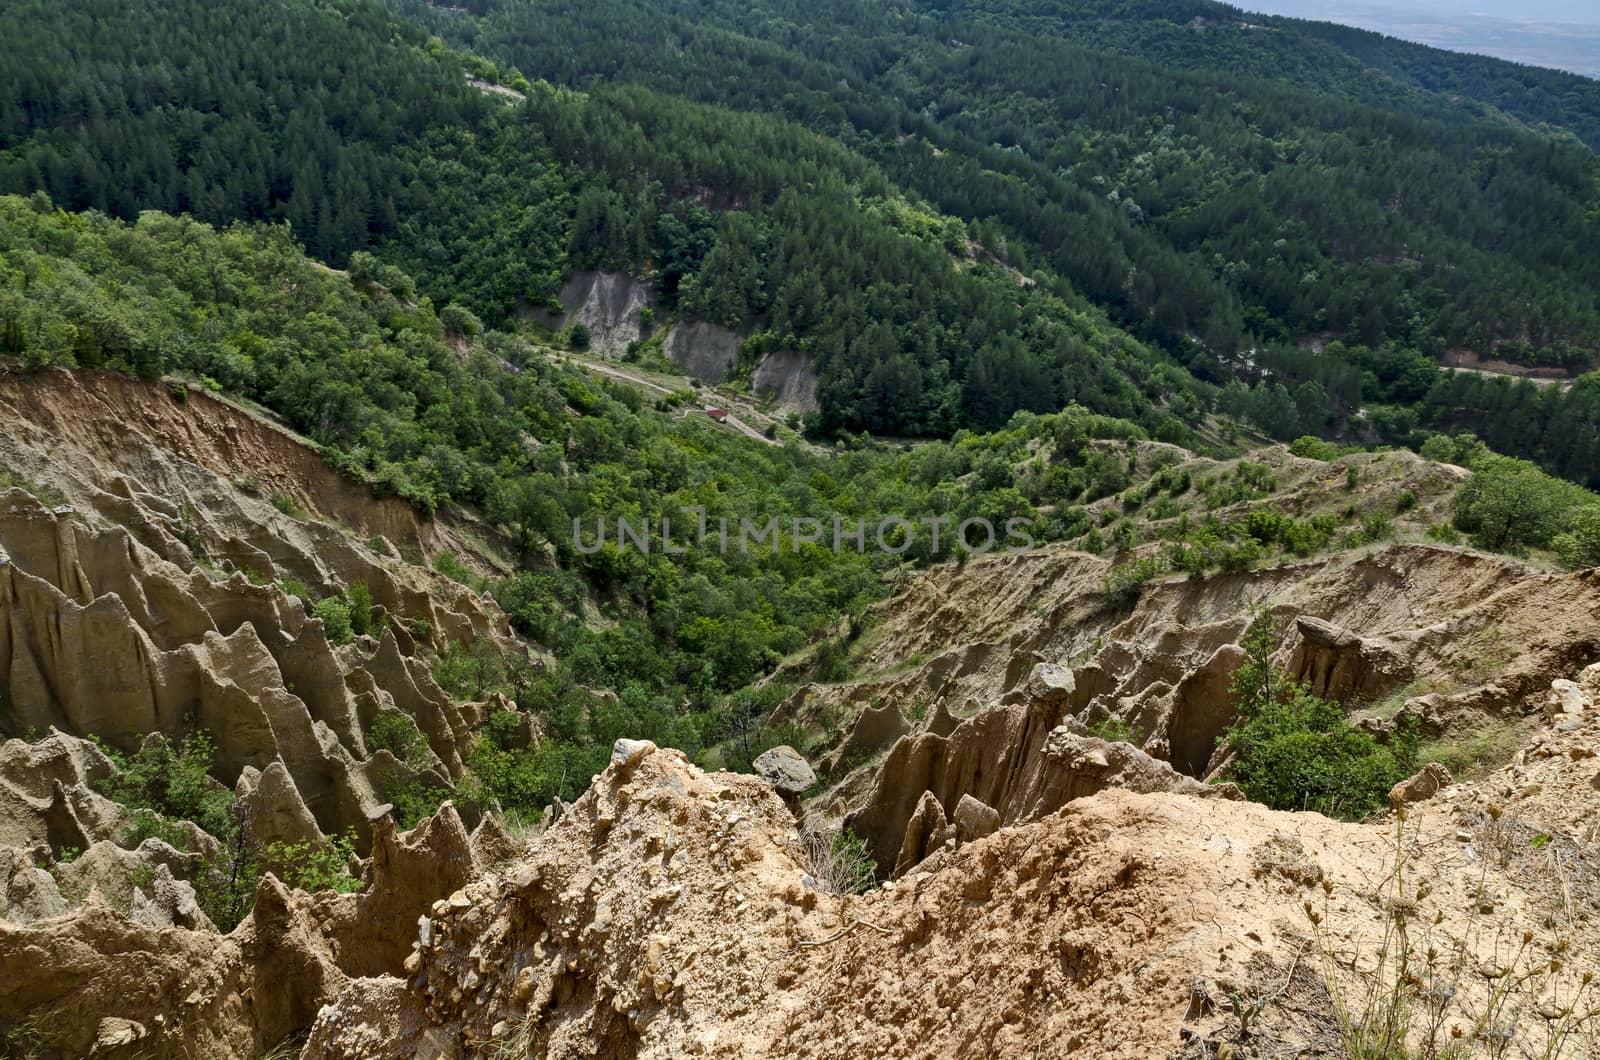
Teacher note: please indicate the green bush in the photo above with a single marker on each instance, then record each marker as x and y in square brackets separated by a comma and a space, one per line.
[1114, 730]
[447, 564]
[1125, 582]
[1296, 751]
[289, 506]
[1313, 448]
[359, 597]
[1579, 546]
[334, 612]
[312, 866]
[48, 496]
[167, 782]
[396, 733]
[1509, 505]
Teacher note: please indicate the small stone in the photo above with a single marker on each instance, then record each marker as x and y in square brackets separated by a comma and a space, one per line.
[113, 1033]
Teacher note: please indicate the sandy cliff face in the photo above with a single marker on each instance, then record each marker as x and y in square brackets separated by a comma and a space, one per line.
[609, 304]
[1454, 638]
[103, 982]
[142, 574]
[787, 377]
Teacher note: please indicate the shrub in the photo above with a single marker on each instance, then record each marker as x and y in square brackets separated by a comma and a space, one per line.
[447, 564]
[578, 337]
[1444, 533]
[1124, 583]
[470, 673]
[396, 733]
[289, 506]
[1114, 730]
[459, 320]
[48, 496]
[359, 598]
[334, 612]
[1296, 751]
[413, 800]
[168, 782]
[1313, 448]
[840, 862]
[148, 824]
[313, 866]
[1579, 546]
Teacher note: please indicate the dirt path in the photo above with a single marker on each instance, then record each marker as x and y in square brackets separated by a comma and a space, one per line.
[622, 374]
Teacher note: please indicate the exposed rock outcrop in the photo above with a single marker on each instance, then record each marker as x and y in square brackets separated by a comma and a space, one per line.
[1429, 781]
[1012, 761]
[100, 635]
[787, 377]
[668, 914]
[142, 955]
[705, 351]
[609, 304]
[46, 794]
[1339, 665]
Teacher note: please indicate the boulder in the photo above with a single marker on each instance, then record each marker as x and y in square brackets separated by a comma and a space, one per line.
[786, 770]
[1340, 665]
[974, 820]
[1432, 779]
[1049, 686]
[1565, 699]
[627, 753]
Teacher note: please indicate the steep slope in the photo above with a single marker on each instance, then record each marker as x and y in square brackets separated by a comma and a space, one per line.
[671, 912]
[107, 984]
[147, 593]
[949, 699]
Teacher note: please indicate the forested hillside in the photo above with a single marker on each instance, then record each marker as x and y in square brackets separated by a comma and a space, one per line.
[955, 211]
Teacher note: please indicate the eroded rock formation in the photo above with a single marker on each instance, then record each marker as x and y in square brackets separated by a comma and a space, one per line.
[669, 913]
[147, 963]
